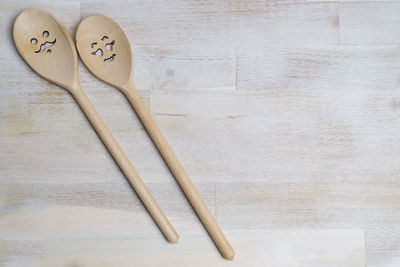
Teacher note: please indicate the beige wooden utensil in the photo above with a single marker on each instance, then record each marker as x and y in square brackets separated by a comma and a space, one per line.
[106, 52]
[49, 50]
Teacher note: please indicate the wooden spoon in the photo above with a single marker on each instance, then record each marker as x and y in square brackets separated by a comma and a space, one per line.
[106, 52]
[49, 50]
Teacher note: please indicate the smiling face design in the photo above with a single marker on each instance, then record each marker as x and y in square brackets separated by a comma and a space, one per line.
[104, 49]
[45, 45]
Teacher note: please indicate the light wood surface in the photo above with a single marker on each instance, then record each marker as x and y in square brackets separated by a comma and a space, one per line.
[297, 101]
[105, 50]
[59, 65]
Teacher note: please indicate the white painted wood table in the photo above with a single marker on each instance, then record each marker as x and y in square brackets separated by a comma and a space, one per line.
[285, 114]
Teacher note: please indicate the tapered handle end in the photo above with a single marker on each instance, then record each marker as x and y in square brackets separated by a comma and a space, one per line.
[228, 253]
[172, 236]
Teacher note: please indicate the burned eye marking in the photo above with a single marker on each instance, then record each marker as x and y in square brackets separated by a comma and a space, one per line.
[93, 44]
[109, 46]
[104, 37]
[34, 41]
[46, 34]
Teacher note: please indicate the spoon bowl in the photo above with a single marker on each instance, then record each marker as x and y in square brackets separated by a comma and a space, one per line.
[46, 46]
[105, 49]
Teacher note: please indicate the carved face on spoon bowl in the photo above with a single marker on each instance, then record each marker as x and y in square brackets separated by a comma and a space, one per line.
[44, 44]
[104, 49]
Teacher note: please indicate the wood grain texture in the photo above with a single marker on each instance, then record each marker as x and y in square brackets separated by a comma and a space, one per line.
[370, 23]
[285, 114]
[216, 23]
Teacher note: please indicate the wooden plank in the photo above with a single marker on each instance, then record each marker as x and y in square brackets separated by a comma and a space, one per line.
[364, 205]
[184, 67]
[50, 110]
[25, 205]
[370, 23]
[302, 134]
[336, 68]
[101, 223]
[77, 159]
[283, 22]
[216, 24]
[271, 205]
[255, 248]
[307, 135]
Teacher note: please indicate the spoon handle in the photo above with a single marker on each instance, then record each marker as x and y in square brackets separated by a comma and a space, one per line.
[180, 175]
[125, 165]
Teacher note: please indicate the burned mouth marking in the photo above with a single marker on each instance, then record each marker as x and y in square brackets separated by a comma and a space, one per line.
[46, 45]
[109, 59]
